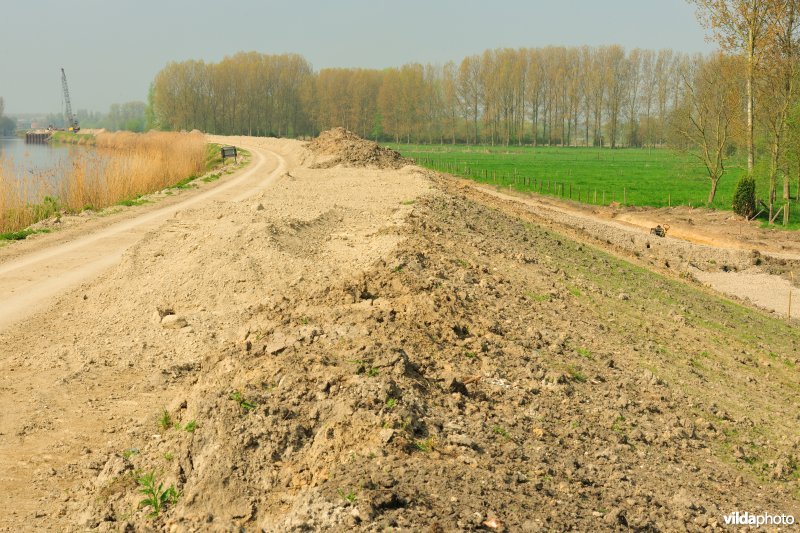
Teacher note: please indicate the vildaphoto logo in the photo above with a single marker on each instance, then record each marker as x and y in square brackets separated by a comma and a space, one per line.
[758, 520]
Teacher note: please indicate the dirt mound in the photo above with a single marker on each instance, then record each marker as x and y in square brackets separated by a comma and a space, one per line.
[350, 150]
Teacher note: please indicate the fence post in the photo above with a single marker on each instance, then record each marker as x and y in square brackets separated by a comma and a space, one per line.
[786, 213]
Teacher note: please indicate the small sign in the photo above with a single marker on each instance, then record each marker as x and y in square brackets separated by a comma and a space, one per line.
[229, 151]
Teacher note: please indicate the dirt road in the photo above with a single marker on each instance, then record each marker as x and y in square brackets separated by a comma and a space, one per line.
[28, 283]
[37, 280]
[370, 348]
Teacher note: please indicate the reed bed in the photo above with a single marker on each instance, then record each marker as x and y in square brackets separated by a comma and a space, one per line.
[122, 166]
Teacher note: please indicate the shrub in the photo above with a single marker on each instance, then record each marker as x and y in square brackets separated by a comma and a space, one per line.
[744, 199]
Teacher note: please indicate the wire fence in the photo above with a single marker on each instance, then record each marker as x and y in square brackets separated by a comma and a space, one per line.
[784, 212]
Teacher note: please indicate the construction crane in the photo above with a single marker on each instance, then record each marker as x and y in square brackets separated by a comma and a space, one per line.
[72, 122]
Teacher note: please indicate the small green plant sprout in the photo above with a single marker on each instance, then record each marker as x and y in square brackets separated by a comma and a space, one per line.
[165, 422]
[470, 355]
[537, 297]
[583, 352]
[372, 372]
[155, 495]
[391, 403]
[130, 452]
[619, 425]
[350, 496]
[169, 456]
[191, 426]
[425, 445]
[245, 405]
[361, 365]
[576, 374]
[499, 430]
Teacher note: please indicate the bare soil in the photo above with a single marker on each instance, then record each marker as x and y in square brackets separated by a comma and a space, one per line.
[733, 256]
[370, 349]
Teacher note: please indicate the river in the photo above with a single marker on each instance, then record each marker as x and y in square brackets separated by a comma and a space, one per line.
[33, 158]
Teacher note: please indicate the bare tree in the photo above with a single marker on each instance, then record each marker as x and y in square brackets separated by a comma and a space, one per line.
[708, 113]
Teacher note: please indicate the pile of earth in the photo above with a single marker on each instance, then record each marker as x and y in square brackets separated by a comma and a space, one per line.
[350, 150]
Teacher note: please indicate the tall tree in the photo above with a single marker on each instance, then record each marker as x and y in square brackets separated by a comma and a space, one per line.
[779, 90]
[742, 26]
[617, 74]
[450, 105]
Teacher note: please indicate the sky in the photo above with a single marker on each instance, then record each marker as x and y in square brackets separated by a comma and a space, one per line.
[112, 49]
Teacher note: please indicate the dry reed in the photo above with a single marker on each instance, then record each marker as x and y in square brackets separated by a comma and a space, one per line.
[122, 166]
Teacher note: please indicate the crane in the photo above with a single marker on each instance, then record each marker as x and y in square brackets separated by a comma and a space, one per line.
[72, 122]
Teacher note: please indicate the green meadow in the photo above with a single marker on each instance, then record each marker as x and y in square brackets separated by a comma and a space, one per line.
[655, 177]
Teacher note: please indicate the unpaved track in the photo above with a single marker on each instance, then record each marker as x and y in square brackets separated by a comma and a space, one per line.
[27, 283]
[64, 398]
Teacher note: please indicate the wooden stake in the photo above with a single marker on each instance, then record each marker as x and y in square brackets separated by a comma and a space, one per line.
[790, 296]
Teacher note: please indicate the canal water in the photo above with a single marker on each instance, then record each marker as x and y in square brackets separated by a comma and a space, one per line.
[33, 159]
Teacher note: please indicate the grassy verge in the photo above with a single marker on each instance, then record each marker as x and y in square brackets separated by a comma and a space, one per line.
[21, 235]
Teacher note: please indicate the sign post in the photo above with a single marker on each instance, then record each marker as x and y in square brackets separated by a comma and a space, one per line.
[229, 151]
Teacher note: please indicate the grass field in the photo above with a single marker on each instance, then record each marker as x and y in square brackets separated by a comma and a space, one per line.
[634, 176]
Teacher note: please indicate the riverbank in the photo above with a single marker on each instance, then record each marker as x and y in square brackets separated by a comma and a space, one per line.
[121, 168]
[66, 137]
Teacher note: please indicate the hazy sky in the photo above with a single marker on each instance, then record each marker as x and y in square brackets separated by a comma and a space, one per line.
[112, 49]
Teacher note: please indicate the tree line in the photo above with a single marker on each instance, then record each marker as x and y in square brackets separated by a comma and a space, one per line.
[127, 116]
[740, 101]
[565, 96]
